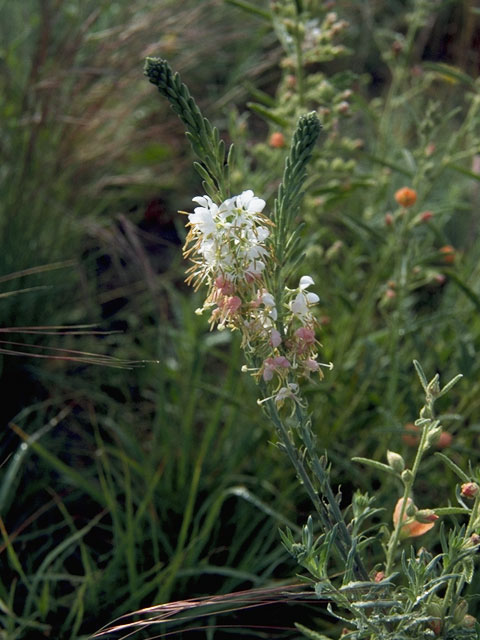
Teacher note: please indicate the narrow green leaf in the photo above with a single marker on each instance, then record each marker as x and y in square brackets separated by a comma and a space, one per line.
[451, 511]
[449, 72]
[390, 165]
[450, 384]
[309, 633]
[470, 293]
[456, 469]
[465, 171]
[266, 114]
[421, 375]
[376, 465]
[250, 8]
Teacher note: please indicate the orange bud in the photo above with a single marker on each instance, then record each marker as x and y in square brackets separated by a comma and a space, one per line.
[379, 576]
[277, 140]
[448, 253]
[406, 197]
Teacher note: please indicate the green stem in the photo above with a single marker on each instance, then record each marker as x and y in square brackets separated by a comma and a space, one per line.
[408, 484]
[326, 489]
[299, 68]
[298, 465]
[331, 515]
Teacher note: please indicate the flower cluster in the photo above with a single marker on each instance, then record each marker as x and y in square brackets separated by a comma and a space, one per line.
[229, 239]
[228, 245]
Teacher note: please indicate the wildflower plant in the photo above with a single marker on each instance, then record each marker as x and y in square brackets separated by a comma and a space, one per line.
[246, 256]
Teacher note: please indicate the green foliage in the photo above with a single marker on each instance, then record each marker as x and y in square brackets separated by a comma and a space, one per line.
[103, 509]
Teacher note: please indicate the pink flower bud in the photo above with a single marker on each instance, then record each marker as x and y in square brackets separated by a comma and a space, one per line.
[225, 286]
[311, 365]
[274, 365]
[470, 490]
[233, 304]
[426, 216]
[275, 338]
[306, 334]
[425, 516]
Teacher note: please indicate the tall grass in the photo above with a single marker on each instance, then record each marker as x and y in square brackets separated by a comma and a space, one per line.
[125, 488]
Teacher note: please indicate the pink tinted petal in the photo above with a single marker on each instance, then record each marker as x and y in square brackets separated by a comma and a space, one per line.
[311, 364]
[233, 304]
[281, 361]
[275, 338]
[306, 334]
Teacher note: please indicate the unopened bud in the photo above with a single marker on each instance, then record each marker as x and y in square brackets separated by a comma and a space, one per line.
[406, 197]
[448, 254]
[379, 576]
[397, 47]
[395, 461]
[390, 294]
[434, 436]
[436, 626]
[460, 612]
[434, 610]
[475, 539]
[469, 621]
[388, 219]
[426, 216]
[277, 140]
[407, 476]
[411, 509]
[470, 490]
[425, 516]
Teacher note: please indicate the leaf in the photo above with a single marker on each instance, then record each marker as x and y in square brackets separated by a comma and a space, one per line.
[466, 172]
[451, 511]
[250, 8]
[468, 569]
[376, 465]
[309, 633]
[456, 469]
[266, 114]
[386, 163]
[449, 73]
[465, 288]
[421, 374]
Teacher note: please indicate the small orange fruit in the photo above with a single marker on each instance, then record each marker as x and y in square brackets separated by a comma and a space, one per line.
[277, 140]
[406, 197]
[448, 253]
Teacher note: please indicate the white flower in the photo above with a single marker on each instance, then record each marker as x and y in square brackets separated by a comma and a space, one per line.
[301, 304]
[248, 201]
[269, 301]
[203, 216]
[228, 239]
